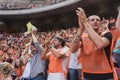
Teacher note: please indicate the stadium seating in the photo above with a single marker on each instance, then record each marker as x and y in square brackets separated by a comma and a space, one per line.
[26, 4]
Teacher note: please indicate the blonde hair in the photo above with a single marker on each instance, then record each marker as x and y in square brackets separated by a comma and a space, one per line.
[6, 68]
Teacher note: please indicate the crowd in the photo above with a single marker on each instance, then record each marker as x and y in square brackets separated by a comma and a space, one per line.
[14, 4]
[85, 52]
[13, 45]
[26, 4]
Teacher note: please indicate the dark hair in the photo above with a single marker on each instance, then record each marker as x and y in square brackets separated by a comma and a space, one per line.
[61, 40]
[21, 64]
[110, 25]
[9, 60]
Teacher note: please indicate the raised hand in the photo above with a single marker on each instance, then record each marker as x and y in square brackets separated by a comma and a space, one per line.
[80, 24]
[82, 16]
[47, 42]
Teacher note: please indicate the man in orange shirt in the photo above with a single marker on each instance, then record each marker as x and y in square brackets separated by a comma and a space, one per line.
[115, 33]
[115, 30]
[58, 58]
[95, 50]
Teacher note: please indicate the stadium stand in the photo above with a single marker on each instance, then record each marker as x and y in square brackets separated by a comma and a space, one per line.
[26, 4]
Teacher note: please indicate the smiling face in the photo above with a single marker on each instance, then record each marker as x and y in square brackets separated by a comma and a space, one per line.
[94, 21]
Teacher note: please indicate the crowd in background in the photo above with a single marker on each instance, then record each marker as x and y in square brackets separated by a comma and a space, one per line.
[13, 46]
[26, 4]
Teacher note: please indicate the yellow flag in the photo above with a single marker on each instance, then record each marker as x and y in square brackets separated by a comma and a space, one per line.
[30, 27]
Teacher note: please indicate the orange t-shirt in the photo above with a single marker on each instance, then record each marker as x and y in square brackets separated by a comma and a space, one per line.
[93, 60]
[116, 35]
[19, 71]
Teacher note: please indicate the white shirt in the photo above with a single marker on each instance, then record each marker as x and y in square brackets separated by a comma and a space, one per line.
[26, 73]
[74, 60]
[65, 60]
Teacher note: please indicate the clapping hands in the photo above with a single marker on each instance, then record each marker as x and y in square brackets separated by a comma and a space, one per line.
[81, 17]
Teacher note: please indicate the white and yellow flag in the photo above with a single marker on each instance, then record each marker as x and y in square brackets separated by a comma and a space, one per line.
[31, 27]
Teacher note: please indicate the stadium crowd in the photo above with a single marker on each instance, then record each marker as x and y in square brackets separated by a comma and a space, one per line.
[27, 54]
[26, 4]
